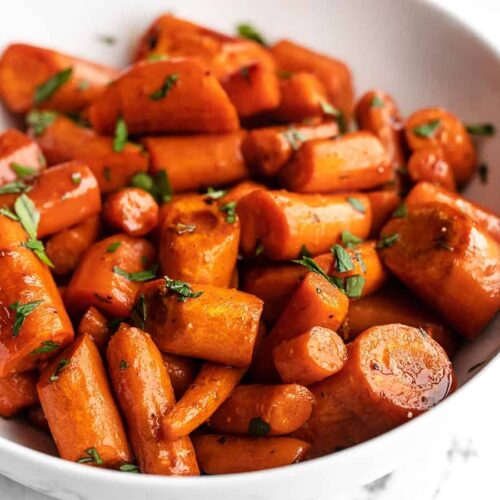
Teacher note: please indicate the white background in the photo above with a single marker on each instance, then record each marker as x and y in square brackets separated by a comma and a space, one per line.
[465, 463]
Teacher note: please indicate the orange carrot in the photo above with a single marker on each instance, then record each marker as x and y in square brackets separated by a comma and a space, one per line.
[383, 204]
[430, 165]
[17, 391]
[310, 357]
[182, 372]
[261, 410]
[95, 325]
[207, 393]
[145, 395]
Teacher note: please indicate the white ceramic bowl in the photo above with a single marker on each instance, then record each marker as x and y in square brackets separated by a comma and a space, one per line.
[409, 48]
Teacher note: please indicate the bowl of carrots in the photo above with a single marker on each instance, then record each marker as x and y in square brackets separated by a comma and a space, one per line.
[245, 250]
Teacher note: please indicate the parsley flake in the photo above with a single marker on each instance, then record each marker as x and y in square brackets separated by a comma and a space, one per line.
[63, 363]
[246, 30]
[46, 90]
[40, 120]
[349, 240]
[121, 135]
[45, 347]
[230, 210]
[387, 240]
[149, 274]
[343, 261]
[377, 102]
[92, 457]
[294, 137]
[354, 286]
[483, 129]
[167, 86]
[22, 312]
[182, 289]
[258, 427]
[113, 247]
[427, 130]
[401, 211]
[356, 204]
[22, 171]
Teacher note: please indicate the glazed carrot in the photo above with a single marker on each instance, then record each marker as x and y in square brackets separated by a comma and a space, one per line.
[274, 284]
[207, 393]
[266, 150]
[436, 243]
[302, 96]
[131, 210]
[95, 325]
[199, 241]
[438, 127]
[430, 165]
[223, 55]
[182, 372]
[396, 304]
[196, 162]
[17, 391]
[334, 74]
[33, 321]
[315, 302]
[63, 196]
[355, 161]
[378, 113]
[176, 95]
[310, 357]
[393, 373]
[220, 325]
[64, 140]
[76, 398]
[383, 204]
[99, 279]
[219, 454]
[66, 248]
[24, 69]
[239, 191]
[424, 192]
[37, 417]
[253, 89]
[144, 392]
[281, 222]
[16, 151]
[261, 410]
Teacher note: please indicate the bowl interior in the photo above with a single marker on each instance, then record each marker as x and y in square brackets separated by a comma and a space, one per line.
[410, 49]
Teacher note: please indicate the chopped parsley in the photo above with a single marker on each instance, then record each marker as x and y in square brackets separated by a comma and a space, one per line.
[22, 312]
[76, 178]
[294, 137]
[356, 204]
[40, 120]
[343, 261]
[215, 194]
[330, 110]
[230, 210]
[92, 457]
[427, 130]
[167, 86]
[45, 347]
[354, 286]
[22, 171]
[484, 129]
[258, 427]
[246, 30]
[376, 102]
[181, 228]
[387, 240]
[158, 186]
[5, 211]
[121, 135]
[46, 90]
[182, 289]
[63, 363]
[349, 240]
[129, 468]
[149, 274]
[15, 187]
[401, 211]
[304, 252]
[139, 312]
[113, 247]
[123, 365]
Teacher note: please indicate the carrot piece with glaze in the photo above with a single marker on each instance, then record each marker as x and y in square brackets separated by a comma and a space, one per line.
[63, 140]
[430, 165]
[95, 325]
[355, 161]
[239, 191]
[378, 113]
[220, 454]
[144, 392]
[131, 210]
[199, 241]
[37, 417]
[25, 68]
[393, 373]
[436, 243]
[438, 127]
[74, 389]
[310, 357]
[212, 386]
[383, 204]
[334, 74]
[258, 410]
[27, 338]
[176, 95]
[425, 192]
[281, 222]
[99, 279]
[17, 149]
[182, 372]
[196, 162]
[17, 391]
[66, 248]
[396, 304]
[267, 150]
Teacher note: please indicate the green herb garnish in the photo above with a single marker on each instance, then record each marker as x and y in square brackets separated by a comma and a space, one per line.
[215, 194]
[356, 204]
[47, 89]
[387, 240]
[113, 247]
[349, 240]
[143, 181]
[46, 346]
[330, 110]
[39, 250]
[182, 289]
[294, 137]
[314, 267]
[22, 171]
[401, 211]
[15, 187]
[157, 57]
[377, 102]
[167, 86]
[230, 210]
[76, 178]
[139, 312]
[343, 261]
[427, 130]
[63, 363]
[121, 135]
[123, 365]
[8, 213]
[22, 312]
[181, 228]
[138, 276]
[246, 30]
[258, 427]
[354, 286]
[92, 457]
[484, 129]
[129, 468]
[40, 120]
[28, 215]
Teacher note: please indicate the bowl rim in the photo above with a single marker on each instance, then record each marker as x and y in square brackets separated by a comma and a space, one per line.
[59, 465]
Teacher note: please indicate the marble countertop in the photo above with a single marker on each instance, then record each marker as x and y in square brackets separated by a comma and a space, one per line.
[463, 464]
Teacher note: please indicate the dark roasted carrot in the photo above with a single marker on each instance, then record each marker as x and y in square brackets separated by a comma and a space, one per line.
[212, 386]
[74, 389]
[144, 392]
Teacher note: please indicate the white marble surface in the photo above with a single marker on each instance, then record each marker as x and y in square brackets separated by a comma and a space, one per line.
[464, 463]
